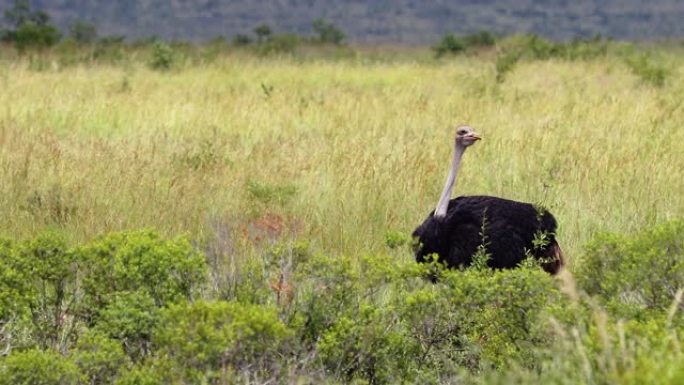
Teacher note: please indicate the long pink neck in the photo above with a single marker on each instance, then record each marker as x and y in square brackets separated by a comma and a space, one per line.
[443, 203]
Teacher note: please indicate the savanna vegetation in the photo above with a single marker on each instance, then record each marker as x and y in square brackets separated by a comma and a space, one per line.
[231, 213]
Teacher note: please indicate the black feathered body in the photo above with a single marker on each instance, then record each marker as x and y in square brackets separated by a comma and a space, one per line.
[507, 229]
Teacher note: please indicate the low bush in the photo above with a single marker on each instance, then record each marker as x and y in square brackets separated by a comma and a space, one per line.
[206, 340]
[648, 69]
[283, 43]
[167, 271]
[50, 290]
[132, 312]
[532, 47]
[99, 358]
[38, 367]
[162, 57]
[452, 44]
[635, 275]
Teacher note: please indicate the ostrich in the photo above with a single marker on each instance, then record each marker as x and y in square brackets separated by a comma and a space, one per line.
[507, 229]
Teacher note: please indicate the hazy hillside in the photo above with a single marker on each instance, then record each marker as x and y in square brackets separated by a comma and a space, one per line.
[407, 21]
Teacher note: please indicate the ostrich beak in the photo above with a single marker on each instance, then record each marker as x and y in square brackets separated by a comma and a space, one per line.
[474, 136]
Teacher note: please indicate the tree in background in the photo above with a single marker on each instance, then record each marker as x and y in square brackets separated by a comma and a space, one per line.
[452, 44]
[241, 40]
[31, 29]
[263, 32]
[83, 32]
[328, 32]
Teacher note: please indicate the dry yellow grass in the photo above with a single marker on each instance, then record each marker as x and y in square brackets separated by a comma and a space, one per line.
[345, 151]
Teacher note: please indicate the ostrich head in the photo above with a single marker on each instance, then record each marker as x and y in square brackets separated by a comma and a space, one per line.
[466, 136]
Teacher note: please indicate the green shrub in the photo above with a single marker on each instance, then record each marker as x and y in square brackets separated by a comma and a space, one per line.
[32, 29]
[479, 39]
[369, 344]
[395, 239]
[110, 50]
[282, 43]
[638, 274]
[130, 318]
[328, 32]
[532, 47]
[99, 358]
[241, 40]
[327, 289]
[380, 321]
[481, 316]
[32, 35]
[599, 349]
[151, 372]
[647, 69]
[206, 339]
[163, 57]
[15, 293]
[452, 44]
[83, 32]
[35, 367]
[167, 271]
[584, 49]
[263, 32]
[51, 270]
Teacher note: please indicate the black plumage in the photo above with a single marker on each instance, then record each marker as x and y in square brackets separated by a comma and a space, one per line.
[507, 229]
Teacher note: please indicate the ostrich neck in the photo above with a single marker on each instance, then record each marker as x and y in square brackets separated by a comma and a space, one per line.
[443, 203]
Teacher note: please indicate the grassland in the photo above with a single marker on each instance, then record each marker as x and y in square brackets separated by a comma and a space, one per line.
[343, 151]
[336, 161]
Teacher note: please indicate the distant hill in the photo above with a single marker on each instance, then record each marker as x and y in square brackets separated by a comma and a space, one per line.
[397, 21]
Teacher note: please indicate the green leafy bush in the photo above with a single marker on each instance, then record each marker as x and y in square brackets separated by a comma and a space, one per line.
[32, 35]
[110, 50]
[154, 371]
[478, 317]
[167, 271]
[206, 339]
[635, 275]
[327, 32]
[395, 239]
[15, 295]
[83, 32]
[449, 44]
[99, 358]
[130, 319]
[282, 43]
[327, 289]
[367, 343]
[532, 47]
[452, 44]
[125, 315]
[241, 40]
[380, 321]
[647, 69]
[35, 367]
[163, 56]
[31, 29]
[51, 270]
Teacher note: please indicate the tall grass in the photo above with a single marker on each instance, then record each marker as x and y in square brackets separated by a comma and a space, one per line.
[360, 148]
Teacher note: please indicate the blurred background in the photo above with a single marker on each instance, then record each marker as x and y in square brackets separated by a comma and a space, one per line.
[377, 21]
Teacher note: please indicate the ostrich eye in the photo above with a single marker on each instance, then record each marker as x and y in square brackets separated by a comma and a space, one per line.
[462, 132]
